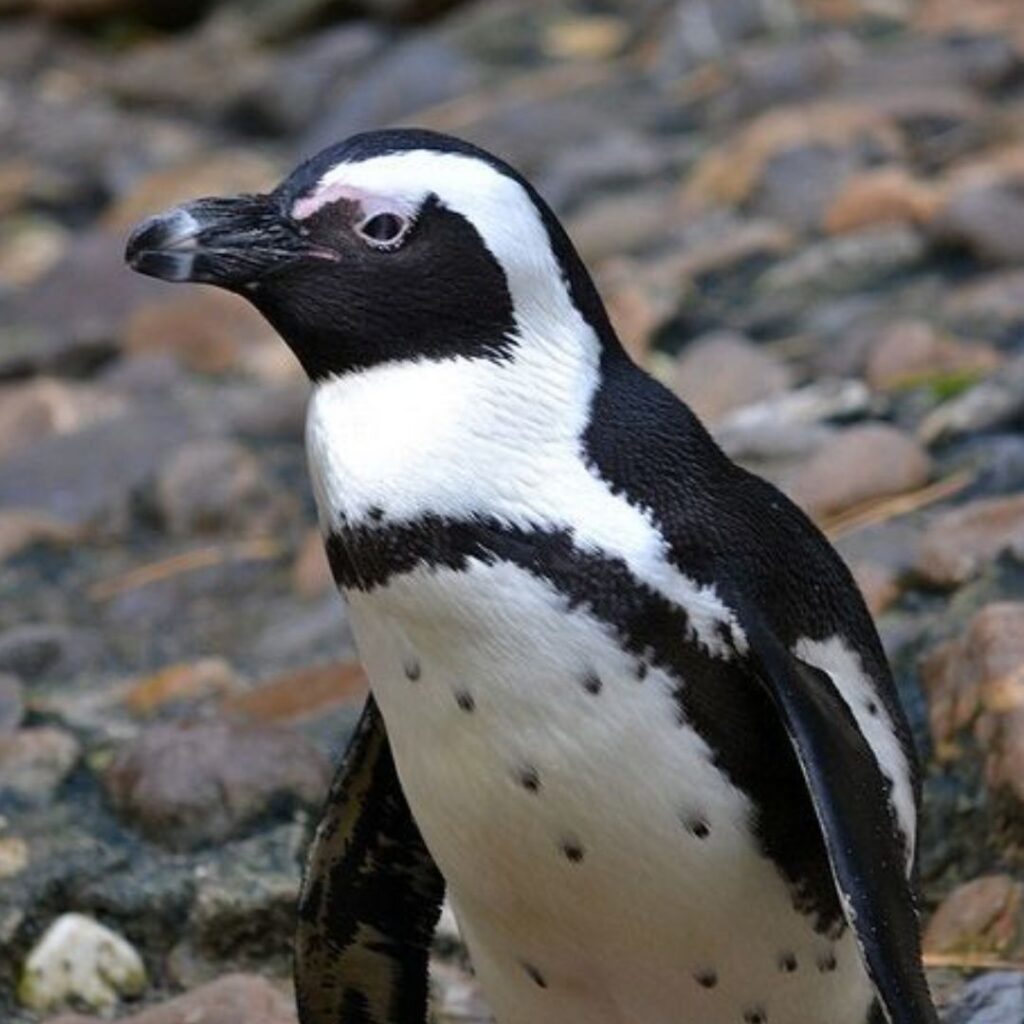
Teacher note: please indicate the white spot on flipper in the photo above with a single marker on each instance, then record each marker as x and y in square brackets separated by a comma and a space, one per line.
[844, 667]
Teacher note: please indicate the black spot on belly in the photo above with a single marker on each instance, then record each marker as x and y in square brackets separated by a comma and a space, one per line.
[529, 778]
[787, 963]
[375, 513]
[872, 708]
[827, 962]
[755, 1015]
[698, 827]
[641, 670]
[573, 850]
[413, 670]
[535, 976]
[465, 701]
[592, 683]
[706, 979]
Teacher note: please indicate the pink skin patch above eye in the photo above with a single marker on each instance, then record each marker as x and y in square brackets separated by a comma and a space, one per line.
[308, 205]
[369, 203]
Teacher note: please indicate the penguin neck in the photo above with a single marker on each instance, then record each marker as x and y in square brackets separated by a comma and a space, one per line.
[416, 437]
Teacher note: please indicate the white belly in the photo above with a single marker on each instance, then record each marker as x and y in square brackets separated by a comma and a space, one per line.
[600, 865]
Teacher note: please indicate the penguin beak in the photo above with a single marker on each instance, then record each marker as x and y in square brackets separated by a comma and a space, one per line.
[227, 242]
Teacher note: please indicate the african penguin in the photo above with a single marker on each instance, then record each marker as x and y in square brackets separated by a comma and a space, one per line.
[628, 707]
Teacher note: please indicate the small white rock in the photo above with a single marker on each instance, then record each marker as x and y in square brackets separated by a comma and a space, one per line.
[78, 960]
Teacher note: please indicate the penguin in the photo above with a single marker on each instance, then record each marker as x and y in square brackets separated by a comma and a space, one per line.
[628, 709]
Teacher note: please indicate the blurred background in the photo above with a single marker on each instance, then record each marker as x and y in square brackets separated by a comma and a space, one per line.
[807, 217]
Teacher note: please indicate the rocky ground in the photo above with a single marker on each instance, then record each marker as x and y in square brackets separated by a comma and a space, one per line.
[807, 217]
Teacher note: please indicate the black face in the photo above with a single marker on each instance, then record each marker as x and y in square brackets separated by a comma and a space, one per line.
[350, 284]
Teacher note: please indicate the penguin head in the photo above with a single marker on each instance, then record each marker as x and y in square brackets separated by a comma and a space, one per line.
[393, 245]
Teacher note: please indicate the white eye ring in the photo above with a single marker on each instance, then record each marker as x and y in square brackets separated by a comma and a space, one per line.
[384, 230]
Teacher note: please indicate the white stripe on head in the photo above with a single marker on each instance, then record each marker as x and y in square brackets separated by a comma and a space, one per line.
[496, 205]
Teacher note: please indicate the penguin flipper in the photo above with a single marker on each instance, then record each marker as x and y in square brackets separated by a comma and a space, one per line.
[370, 899]
[851, 802]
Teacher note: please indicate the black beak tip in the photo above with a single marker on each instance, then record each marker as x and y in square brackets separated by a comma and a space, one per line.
[163, 246]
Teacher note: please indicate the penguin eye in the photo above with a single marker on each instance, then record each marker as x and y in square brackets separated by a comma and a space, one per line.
[383, 230]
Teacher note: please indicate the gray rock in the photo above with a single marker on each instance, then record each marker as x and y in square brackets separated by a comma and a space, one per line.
[721, 372]
[146, 897]
[959, 543]
[34, 762]
[991, 306]
[822, 400]
[614, 225]
[244, 908]
[268, 411]
[298, 87]
[783, 71]
[931, 61]
[146, 376]
[988, 220]
[859, 464]
[89, 478]
[993, 998]
[797, 184]
[202, 74]
[939, 124]
[24, 47]
[856, 260]
[996, 402]
[529, 128]
[87, 148]
[318, 632]
[214, 485]
[619, 158]
[997, 459]
[892, 544]
[48, 650]
[223, 607]
[186, 785]
[70, 320]
[407, 78]
[701, 30]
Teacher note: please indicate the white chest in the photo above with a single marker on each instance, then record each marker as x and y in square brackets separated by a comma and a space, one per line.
[600, 864]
